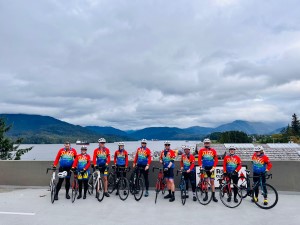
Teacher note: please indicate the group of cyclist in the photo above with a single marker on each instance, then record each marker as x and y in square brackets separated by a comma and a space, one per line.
[70, 161]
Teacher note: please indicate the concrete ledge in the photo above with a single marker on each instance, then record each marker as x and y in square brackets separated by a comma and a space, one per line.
[286, 175]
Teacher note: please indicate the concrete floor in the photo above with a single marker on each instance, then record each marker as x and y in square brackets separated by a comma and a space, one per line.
[112, 210]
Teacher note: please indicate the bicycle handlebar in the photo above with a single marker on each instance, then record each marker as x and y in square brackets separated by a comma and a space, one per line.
[50, 169]
[156, 168]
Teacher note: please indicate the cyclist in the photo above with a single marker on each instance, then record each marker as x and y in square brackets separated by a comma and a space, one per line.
[231, 167]
[65, 157]
[121, 161]
[187, 163]
[208, 159]
[143, 159]
[82, 163]
[167, 157]
[261, 164]
[101, 158]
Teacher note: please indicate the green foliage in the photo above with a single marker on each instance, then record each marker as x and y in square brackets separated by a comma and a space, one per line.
[234, 137]
[295, 125]
[9, 149]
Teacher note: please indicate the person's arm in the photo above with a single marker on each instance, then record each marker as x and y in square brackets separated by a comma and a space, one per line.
[107, 156]
[95, 157]
[149, 157]
[181, 162]
[215, 158]
[57, 158]
[126, 159]
[160, 157]
[224, 164]
[75, 163]
[192, 161]
[200, 158]
[172, 155]
[268, 162]
[239, 166]
[115, 158]
[75, 153]
[135, 157]
[87, 166]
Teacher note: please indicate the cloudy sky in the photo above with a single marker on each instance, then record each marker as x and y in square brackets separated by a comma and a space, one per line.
[133, 64]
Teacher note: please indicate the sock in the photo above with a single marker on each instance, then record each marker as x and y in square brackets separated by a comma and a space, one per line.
[169, 192]
[173, 193]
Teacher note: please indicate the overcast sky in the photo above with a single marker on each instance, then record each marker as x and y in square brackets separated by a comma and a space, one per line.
[133, 64]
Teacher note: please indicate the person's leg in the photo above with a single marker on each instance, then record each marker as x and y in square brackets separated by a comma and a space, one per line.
[68, 183]
[85, 183]
[235, 179]
[58, 187]
[105, 182]
[172, 184]
[80, 188]
[166, 177]
[212, 183]
[255, 179]
[192, 178]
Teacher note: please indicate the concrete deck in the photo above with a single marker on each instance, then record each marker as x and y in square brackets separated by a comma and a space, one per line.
[15, 203]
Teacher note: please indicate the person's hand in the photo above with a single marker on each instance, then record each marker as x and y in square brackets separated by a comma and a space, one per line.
[188, 171]
[82, 172]
[212, 169]
[73, 169]
[267, 170]
[93, 166]
[160, 161]
[54, 168]
[235, 173]
[97, 167]
[133, 165]
[181, 168]
[147, 167]
[166, 169]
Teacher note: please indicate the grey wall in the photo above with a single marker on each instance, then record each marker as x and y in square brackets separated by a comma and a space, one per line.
[286, 175]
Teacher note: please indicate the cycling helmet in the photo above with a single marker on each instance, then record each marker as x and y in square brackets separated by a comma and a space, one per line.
[187, 147]
[258, 149]
[167, 143]
[144, 141]
[121, 144]
[62, 174]
[101, 140]
[206, 140]
[231, 147]
[83, 147]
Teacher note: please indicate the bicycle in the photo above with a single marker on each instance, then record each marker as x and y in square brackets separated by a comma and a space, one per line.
[120, 184]
[203, 189]
[227, 192]
[160, 182]
[52, 184]
[182, 186]
[137, 183]
[75, 186]
[264, 190]
[95, 182]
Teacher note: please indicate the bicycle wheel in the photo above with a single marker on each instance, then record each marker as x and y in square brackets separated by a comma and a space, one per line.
[123, 188]
[138, 189]
[131, 182]
[269, 193]
[183, 192]
[91, 185]
[228, 197]
[100, 185]
[111, 183]
[163, 187]
[243, 187]
[74, 191]
[204, 193]
[53, 192]
[157, 189]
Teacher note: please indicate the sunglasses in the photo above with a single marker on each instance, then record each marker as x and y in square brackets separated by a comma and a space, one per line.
[167, 145]
[143, 143]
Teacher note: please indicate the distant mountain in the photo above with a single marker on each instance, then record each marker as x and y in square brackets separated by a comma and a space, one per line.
[107, 130]
[247, 127]
[199, 130]
[36, 129]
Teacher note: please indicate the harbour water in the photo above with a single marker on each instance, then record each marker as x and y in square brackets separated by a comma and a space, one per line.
[49, 151]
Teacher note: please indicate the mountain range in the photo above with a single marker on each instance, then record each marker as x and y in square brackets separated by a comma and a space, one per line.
[45, 129]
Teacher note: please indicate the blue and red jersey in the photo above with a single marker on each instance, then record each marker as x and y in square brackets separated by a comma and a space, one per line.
[232, 163]
[167, 156]
[82, 162]
[142, 156]
[207, 157]
[261, 163]
[121, 158]
[101, 156]
[187, 162]
[65, 157]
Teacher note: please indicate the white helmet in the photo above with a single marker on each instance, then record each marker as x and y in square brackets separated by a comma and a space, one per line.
[187, 147]
[62, 174]
[83, 147]
[121, 143]
[206, 140]
[144, 141]
[231, 147]
[101, 140]
[167, 143]
[259, 149]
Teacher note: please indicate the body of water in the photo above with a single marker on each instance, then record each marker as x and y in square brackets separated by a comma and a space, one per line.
[49, 151]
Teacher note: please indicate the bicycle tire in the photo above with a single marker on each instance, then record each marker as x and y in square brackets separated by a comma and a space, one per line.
[91, 185]
[271, 195]
[243, 187]
[74, 194]
[123, 188]
[163, 190]
[225, 194]
[183, 192]
[53, 192]
[201, 193]
[157, 189]
[138, 189]
[100, 195]
[111, 183]
[131, 182]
